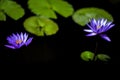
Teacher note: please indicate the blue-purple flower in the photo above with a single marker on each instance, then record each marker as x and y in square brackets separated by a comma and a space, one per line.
[99, 27]
[18, 40]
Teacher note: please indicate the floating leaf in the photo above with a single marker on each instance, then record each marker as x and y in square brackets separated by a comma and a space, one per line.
[47, 7]
[41, 7]
[82, 16]
[62, 7]
[103, 57]
[12, 9]
[40, 26]
[2, 16]
[87, 55]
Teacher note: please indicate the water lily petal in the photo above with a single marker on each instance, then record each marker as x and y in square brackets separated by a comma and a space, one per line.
[10, 46]
[104, 36]
[104, 23]
[21, 35]
[20, 45]
[88, 30]
[91, 34]
[28, 41]
[25, 37]
[93, 28]
[109, 27]
[15, 37]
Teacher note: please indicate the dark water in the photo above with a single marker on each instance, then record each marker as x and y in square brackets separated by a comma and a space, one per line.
[65, 46]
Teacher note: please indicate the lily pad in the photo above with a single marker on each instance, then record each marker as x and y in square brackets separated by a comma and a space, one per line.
[41, 7]
[103, 57]
[87, 55]
[40, 26]
[2, 16]
[62, 7]
[48, 8]
[82, 16]
[12, 9]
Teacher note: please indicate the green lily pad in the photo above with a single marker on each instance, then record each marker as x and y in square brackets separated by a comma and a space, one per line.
[82, 16]
[62, 7]
[40, 26]
[47, 8]
[2, 16]
[41, 7]
[87, 55]
[12, 9]
[103, 57]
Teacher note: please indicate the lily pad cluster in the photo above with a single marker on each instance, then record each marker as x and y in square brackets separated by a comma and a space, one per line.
[90, 56]
[48, 8]
[45, 10]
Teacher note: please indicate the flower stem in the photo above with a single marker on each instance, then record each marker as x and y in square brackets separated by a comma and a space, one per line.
[96, 47]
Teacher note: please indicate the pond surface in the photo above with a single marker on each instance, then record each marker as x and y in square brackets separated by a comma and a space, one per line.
[66, 45]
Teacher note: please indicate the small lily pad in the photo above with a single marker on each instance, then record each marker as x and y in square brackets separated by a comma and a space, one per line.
[87, 55]
[103, 57]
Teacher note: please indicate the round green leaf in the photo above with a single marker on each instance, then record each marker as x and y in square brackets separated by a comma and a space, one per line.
[63, 8]
[87, 55]
[40, 26]
[12, 9]
[2, 16]
[41, 7]
[82, 16]
[103, 57]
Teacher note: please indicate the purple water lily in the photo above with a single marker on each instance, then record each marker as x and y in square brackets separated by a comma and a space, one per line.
[98, 27]
[18, 40]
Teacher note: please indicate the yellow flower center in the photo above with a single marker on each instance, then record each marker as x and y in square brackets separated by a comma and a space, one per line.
[18, 41]
[98, 27]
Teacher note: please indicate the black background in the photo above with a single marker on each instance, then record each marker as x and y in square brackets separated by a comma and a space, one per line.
[66, 45]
